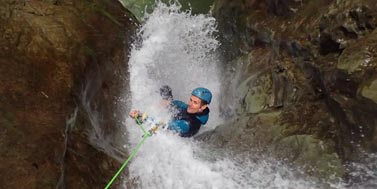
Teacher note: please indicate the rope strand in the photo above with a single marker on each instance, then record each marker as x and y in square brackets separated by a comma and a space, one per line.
[145, 136]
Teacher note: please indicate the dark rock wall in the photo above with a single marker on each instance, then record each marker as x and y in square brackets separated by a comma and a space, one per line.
[302, 76]
[49, 52]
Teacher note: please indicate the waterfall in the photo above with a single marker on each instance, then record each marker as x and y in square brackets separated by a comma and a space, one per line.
[180, 50]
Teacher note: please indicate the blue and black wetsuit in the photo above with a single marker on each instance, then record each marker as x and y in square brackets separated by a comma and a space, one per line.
[186, 124]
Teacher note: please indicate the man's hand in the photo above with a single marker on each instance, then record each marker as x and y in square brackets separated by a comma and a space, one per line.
[134, 114]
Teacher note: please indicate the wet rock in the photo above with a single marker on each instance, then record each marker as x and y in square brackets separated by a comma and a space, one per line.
[360, 56]
[316, 156]
[370, 91]
[267, 133]
[256, 99]
[47, 49]
[343, 25]
[314, 63]
[246, 133]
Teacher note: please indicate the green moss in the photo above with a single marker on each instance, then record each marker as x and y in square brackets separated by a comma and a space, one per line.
[314, 155]
[352, 62]
[370, 90]
[258, 95]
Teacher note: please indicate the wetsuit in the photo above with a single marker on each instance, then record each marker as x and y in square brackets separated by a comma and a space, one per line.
[186, 124]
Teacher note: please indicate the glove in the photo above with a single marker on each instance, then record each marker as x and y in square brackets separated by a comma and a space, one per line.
[135, 113]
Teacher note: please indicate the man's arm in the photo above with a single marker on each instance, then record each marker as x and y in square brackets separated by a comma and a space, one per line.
[180, 105]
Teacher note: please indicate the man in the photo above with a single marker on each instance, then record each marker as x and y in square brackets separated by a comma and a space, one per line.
[187, 118]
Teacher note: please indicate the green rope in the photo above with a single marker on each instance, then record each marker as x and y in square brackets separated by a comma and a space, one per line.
[141, 127]
[145, 136]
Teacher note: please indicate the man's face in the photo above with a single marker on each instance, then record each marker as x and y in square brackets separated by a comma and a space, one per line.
[194, 105]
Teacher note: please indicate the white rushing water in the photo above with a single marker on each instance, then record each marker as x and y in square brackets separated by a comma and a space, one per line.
[179, 50]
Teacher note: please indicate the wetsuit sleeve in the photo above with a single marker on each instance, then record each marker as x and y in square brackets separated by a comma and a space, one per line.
[180, 126]
[180, 105]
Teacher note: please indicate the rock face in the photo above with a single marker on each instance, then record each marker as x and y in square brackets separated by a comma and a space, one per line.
[57, 62]
[303, 76]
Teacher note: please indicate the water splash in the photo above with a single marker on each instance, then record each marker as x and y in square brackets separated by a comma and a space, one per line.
[176, 49]
[363, 174]
[70, 123]
[180, 50]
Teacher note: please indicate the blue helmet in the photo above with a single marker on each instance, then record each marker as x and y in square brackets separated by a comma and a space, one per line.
[203, 93]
